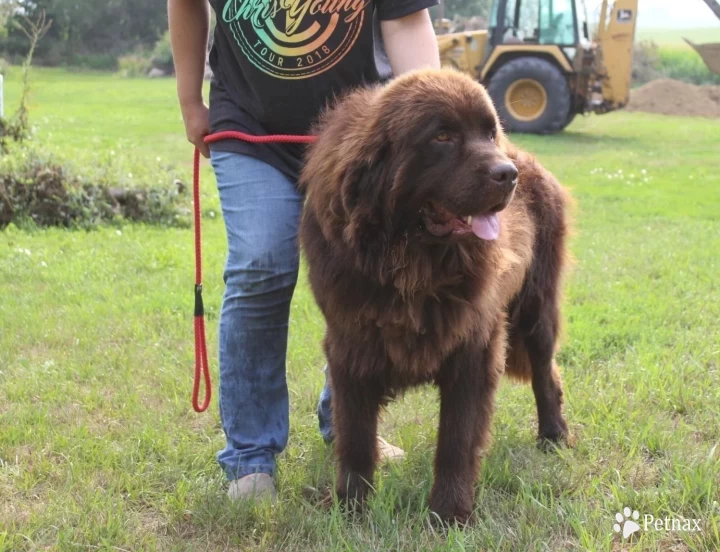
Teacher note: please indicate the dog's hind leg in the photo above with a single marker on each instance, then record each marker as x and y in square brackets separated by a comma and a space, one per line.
[535, 327]
[467, 382]
[539, 342]
[547, 386]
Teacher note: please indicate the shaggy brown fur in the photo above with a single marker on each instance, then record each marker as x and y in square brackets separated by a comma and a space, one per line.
[409, 293]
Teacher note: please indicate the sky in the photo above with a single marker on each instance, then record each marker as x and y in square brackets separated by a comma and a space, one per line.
[668, 14]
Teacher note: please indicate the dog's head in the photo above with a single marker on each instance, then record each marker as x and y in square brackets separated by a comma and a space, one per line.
[423, 157]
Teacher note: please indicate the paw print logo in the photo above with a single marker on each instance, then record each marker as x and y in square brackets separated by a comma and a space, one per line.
[627, 522]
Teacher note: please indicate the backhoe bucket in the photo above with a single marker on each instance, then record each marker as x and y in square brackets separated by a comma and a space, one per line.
[710, 54]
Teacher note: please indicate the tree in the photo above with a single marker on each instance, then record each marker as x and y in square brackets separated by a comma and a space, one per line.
[7, 10]
[90, 28]
[16, 128]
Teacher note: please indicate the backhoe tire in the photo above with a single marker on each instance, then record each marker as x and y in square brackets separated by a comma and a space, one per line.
[570, 119]
[531, 95]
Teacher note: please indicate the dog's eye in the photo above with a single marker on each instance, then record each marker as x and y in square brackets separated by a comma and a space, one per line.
[493, 135]
[442, 136]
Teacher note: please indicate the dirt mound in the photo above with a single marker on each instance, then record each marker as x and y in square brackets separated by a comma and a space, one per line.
[672, 97]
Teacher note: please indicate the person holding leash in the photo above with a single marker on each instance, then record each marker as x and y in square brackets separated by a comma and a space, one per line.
[276, 64]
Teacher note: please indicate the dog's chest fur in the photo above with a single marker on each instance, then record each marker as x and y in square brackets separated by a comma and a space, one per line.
[421, 326]
[420, 332]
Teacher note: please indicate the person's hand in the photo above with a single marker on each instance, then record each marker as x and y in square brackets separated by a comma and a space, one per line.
[197, 125]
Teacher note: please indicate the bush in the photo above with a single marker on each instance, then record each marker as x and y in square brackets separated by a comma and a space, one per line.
[651, 62]
[4, 66]
[686, 66]
[13, 129]
[646, 62]
[134, 66]
[37, 189]
[162, 54]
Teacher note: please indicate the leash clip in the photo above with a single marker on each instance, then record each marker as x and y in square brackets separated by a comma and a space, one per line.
[199, 307]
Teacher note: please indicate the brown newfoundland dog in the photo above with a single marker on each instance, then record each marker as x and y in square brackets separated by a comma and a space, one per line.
[435, 252]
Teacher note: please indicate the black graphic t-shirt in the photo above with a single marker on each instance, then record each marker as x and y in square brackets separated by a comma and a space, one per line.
[276, 63]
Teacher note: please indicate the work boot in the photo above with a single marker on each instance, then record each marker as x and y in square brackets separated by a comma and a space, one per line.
[388, 452]
[255, 486]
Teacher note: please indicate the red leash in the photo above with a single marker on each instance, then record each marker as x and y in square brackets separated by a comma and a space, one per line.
[201, 359]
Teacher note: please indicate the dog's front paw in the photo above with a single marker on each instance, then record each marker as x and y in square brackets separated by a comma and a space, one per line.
[451, 506]
[554, 436]
[353, 491]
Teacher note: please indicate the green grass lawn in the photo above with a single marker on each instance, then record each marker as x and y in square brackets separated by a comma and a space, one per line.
[100, 449]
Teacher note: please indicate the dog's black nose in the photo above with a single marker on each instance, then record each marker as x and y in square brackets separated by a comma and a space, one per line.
[504, 174]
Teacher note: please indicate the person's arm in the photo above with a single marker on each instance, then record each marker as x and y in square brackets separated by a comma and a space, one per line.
[410, 42]
[189, 22]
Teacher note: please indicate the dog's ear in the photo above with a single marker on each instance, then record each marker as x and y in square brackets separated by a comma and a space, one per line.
[363, 193]
[362, 185]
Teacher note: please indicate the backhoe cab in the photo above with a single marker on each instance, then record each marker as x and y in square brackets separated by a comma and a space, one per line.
[540, 65]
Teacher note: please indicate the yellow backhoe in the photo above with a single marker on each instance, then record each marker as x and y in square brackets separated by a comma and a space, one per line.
[540, 64]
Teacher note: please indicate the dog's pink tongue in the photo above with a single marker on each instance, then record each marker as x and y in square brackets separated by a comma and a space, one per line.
[487, 226]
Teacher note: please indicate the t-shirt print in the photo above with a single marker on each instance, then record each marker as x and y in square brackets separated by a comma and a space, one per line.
[277, 63]
[295, 39]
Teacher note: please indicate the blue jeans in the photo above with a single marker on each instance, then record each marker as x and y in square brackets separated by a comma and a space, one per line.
[261, 207]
